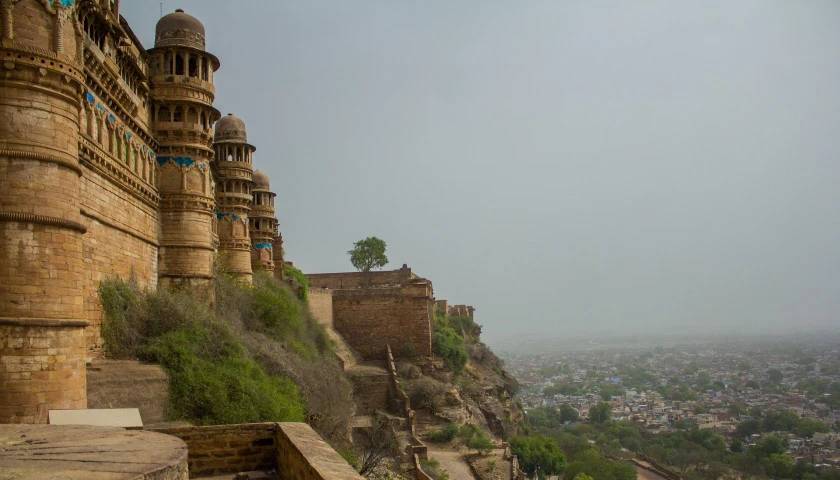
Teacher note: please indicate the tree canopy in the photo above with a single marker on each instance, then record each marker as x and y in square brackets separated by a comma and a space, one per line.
[368, 254]
[600, 413]
[538, 454]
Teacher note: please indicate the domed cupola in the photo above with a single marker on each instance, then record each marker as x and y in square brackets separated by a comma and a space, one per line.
[179, 29]
[261, 181]
[230, 128]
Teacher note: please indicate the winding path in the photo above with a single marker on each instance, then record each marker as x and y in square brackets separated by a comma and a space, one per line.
[453, 462]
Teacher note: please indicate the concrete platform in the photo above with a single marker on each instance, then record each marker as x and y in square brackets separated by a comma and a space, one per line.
[76, 452]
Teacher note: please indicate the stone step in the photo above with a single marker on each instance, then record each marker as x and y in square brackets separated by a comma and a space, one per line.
[371, 388]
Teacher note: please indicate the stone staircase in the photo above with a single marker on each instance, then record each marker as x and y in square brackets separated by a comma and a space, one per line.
[371, 386]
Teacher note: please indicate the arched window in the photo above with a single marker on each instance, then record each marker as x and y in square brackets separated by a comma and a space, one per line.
[178, 116]
[193, 66]
[205, 65]
[164, 115]
[167, 63]
[179, 64]
[192, 116]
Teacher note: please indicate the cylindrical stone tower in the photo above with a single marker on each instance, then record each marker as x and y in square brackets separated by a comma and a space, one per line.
[183, 115]
[263, 224]
[42, 346]
[234, 181]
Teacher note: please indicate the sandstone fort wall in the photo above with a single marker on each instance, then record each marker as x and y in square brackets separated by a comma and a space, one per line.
[320, 301]
[370, 319]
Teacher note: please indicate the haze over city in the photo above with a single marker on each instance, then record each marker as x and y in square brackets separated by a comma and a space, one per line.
[570, 168]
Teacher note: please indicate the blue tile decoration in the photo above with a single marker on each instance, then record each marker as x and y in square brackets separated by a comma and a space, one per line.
[231, 216]
[262, 246]
[90, 98]
[180, 161]
[66, 3]
[128, 136]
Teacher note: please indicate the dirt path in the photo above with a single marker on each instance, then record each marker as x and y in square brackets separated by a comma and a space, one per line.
[452, 462]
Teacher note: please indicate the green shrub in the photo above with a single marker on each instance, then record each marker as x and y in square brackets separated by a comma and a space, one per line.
[481, 442]
[290, 271]
[539, 454]
[213, 379]
[443, 435]
[433, 469]
[449, 346]
[122, 305]
[350, 457]
[465, 326]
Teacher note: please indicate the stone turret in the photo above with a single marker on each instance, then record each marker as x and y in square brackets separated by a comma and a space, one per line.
[182, 118]
[263, 224]
[42, 343]
[234, 181]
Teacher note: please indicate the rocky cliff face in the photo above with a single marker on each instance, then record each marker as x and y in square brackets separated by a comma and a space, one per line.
[482, 394]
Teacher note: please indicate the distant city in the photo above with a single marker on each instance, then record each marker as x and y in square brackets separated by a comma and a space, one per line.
[747, 392]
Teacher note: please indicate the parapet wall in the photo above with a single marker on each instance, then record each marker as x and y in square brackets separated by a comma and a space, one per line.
[345, 280]
[293, 449]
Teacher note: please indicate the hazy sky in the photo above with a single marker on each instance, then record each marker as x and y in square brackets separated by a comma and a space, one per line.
[568, 167]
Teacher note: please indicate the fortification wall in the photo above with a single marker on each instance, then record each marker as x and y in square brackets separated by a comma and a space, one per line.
[120, 242]
[345, 280]
[371, 318]
[320, 301]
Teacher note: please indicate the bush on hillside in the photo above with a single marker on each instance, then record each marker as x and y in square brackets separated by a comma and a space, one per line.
[448, 344]
[426, 392]
[212, 378]
[539, 454]
[290, 271]
[443, 435]
[465, 326]
[433, 469]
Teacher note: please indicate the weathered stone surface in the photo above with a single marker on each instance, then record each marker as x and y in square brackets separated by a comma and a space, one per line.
[129, 383]
[37, 452]
[375, 309]
[303, 455]
[225, 449]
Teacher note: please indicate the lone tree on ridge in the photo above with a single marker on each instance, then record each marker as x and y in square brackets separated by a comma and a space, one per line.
[368, 254]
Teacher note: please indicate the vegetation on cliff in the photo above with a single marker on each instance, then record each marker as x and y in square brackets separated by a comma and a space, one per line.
[255, 355]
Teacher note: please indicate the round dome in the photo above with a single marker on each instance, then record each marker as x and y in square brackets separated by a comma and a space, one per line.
[230, 128]
[261, 180]
[179, 29]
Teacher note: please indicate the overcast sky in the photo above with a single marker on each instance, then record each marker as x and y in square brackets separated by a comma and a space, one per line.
[568, 167]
